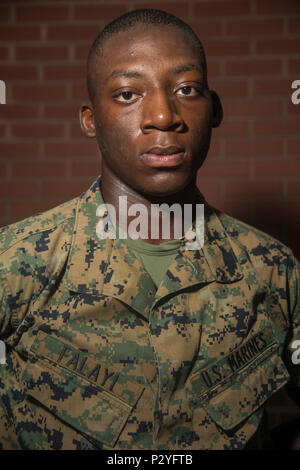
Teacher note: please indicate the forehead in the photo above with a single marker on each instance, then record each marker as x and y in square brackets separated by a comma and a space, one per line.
[143, 44]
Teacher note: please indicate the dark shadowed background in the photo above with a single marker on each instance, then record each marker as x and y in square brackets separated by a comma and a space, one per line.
[253, 168]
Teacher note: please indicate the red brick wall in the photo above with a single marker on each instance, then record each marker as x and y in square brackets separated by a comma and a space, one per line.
[253, 49]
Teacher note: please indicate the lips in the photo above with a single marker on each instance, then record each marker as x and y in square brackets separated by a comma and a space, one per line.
[170, 150]
[158, 156]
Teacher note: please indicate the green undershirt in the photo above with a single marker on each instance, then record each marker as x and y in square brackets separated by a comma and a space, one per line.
[155, 258]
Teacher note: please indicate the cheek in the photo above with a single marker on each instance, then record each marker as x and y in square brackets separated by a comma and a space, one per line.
[116, 147]
[201, 128]
[108, 138]
[116, 131]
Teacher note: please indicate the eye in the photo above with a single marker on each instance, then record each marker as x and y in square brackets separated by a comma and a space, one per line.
[189, 91]
[126, 97]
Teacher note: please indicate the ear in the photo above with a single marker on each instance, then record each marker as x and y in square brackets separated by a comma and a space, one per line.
[217, 116]
[86, 118]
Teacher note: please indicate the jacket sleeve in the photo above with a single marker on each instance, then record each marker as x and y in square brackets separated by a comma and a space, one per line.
[5, 314]
[293, 340]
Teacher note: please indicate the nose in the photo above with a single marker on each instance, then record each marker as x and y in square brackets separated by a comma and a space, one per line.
[160, 112]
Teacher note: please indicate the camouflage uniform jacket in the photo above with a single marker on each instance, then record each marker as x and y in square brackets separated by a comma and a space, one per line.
[97, 358]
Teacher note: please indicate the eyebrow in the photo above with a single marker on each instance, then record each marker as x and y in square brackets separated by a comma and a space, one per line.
[186, 68]
[124, 73]
[135, 74]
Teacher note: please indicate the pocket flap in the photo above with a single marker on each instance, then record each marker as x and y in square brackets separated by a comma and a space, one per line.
[78, 390]
[246, 392]
[239, 383]
[85, 407]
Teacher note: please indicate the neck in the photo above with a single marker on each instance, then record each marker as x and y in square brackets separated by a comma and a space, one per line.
[112, 189]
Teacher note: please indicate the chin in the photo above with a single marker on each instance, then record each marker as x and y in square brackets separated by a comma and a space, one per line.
[165, 187]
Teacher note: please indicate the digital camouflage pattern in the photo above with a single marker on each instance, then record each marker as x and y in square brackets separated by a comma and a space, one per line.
[98, 359]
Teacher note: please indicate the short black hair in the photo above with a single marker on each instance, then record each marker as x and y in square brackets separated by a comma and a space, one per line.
[131, 19]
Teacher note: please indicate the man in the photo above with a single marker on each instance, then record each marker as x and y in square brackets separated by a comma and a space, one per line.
[144, 344]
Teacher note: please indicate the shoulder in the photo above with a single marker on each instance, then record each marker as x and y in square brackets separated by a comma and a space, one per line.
[31, 229]
[274, 264]
[33, 253]
[262, 249]
[34, 249]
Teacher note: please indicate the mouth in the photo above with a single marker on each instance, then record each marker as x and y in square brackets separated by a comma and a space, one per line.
[158, 156]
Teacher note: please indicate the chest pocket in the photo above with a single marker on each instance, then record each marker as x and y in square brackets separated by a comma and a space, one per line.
[231, 391]
[93, 410]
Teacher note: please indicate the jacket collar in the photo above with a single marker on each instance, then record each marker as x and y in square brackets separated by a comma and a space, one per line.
[108, 267]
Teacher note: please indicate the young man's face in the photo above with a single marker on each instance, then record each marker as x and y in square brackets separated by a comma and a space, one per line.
[152, 109]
